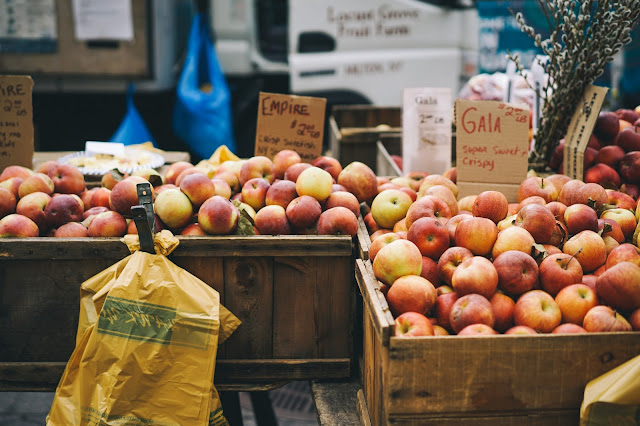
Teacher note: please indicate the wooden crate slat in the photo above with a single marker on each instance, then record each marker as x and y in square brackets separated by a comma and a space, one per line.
[335, 302]
[552, 418]
[364, 242]
[374, 300]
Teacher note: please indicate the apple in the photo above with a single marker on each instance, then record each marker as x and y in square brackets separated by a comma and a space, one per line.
[551, 250]
[131, 227]
[371, 224]
[588, 248]
[535, 185]
[478, 234]
[591, 194]
[629, 167]
[412, 324]
[606, 127]
[187, 172]
[400, 226]
[328, 164]
[390, 206]
[32, 206]
[502, 306]
[281, 193]
[303, 212]
[174, 208]
[379, 233]
[449, 261]
[628, 115]
[580, 217]
[444, 193]
[380, 242]
[440, 331]
[315, 183]
[435, 179]
[558, 180]
[221, 187]
[610, 155]
[620, 200]
[429, 270]
[272, 220]
[218, 216]
[538, 220]
[558, 209]
[257, 167]
[411, 293]
[294, 171]
[568, 191]
[575, 301]
[538, 310]
[634, 320]
[67, 179]
[46, 166]
[231, 180]
[193, 229]
[491, 205]
[342, 199]
[63, 208]
[475, 275]
[631, 189]
[282, 160]
[198, 188]
[403, 182]
[360, 180]
[38, 182]
[7, 202]
[451, 174]
[124, 195]
[613, 230]
[108, 224]
[623, 253]
[610, 243]
[521, 330]
[93, 211]
[174, 170]
[338, 221]
[534, 199]
[628, 139]
[15, 171]
[164, 187]
[71, 230]
[101, 197]
[430, 236]
[512, 238]
[625, 218]
[16, 225]
[443, 306]
[477, 330]
[517, 272]
[602, 318]
[452, 224]
[466, 203]
[254, 192]
[397, 259]
[558, 271]
[568, 328]
[604, 175]
[471, 309]
[428, 205]
[619, 286]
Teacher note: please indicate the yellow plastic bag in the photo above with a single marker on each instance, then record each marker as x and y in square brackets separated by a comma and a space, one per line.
[146, 347]
[614, 397]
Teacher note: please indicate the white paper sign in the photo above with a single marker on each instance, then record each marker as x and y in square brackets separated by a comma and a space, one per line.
[426, 129]
[103, 19]
[111, 148]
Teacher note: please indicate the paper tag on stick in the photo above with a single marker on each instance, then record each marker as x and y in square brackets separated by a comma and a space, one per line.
[16, 121]
[290, 122]
[580, 128]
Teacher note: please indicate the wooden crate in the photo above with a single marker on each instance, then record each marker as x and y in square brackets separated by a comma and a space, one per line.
[495, 380]
[294, 295]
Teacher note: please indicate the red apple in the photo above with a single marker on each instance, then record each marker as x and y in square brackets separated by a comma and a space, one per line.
[492, 205]
[198, 188]
[100, 198]
[620, 200]
[164, 187]
[575, 301]
[124, 195]
[71, 230]
[254, 192]
[602, 319]
[429, 270]
[380, 242]
[257, 167]
[443, 306]
[221, 187]
[521, 330]
[619, 286]
[15, 171]
[466, 203]
[451, 174]
[471, 309]
[108, 224]
[32, 206]
[174, 171]
[517, 272]
[629, 167]
[568, 191]
[282, 160]
[558, 180]
[428, 206]
[591, 194]
[328, 164]
[37, 182]
[294, 170]
[634, 320]
[360, 180]
[625, 218]
[452, 224]
[231, 180]
[475, 275]
[631, 189]
[568, 328]
[93, 211]
[534, 199]
[272, 220]
[444, 193]
[412, 324]
[338, 221]
[538, 220]
[67, 179]
[218, 216]
[193, 229]
[613, 229]
[63, 208]
[558, 271]
[435, 179]
[607, 126]
[535, 185]
[303, 212]
[478, 234]
[281, 192]
[512, 238]
[397, 259]
[379, 233]
[538, 310]
[46, 166]
[343, 199]
[411, 293]
[16, 225]
[477, 330]
[430, 236]
[610, 155]
[450, 260]
[502, 306]
[580, 217]
[604, 175]
[628, 139]
[588, 248]
[7, 202]
[314, 182]
[623, 253]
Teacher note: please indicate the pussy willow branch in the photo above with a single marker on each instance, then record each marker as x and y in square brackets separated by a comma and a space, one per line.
[585, 35]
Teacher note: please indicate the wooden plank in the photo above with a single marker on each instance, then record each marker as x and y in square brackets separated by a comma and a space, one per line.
[335, 306]
[500, 373]
[364, 242]
[363, 410]
[372, 369]
[296, 307]
[248, 290]
[374, 300]
[336, 402]
[548, 418]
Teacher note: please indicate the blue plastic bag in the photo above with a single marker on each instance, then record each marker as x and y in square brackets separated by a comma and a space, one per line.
[202, 112]
[132, 129]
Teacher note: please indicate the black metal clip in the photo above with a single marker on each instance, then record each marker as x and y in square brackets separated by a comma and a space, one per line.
[144, 218]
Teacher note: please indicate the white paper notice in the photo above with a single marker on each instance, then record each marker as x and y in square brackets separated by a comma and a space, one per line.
[103, 20]
[426, 129]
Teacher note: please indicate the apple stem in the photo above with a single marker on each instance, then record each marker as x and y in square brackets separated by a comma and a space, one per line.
[568, 259]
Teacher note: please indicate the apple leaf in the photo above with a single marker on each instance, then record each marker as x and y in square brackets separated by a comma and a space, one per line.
[244, 226]
[116, 174]
[538, 252]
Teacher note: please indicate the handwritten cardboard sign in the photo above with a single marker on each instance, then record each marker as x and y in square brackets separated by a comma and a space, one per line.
[580, 128]
[16, 121]
[290, 122]
[492, 146]
[426, 129]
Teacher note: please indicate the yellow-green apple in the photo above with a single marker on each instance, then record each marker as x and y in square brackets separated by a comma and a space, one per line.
[38, 182]
[230, 179]
[15, 171]
[71, 230]
[623, 253]
[174, 170]
[619, 286]
[521, 330]
[272, 220]
[344, 199]
[610, 155]
[475, 275]
[380, 242]
[294, 170]
[380, 232]
[620, 200]
[512, 238]
[452, 224]
[108, 224]
[580, 217]
[444, 303]
[507, 222]
[254, 192]
[435, 179]
[449, 261]
[93, 211]
[218, 216]
[634, 320]
[429, 235]
[492, 205]
[303, 212]
[558, 271]
[440, 331]
[12, 185]
[221, 187]
[613, 229]
[466, 203]
[101, 197]
[159, 189]
[517, 272]
[625, 218]
[538, 310]
[67, 179]
[198, 188]
[257, 167]
[445, 194]
[390, 206]
[430, 271]
[604, 175]
[124, 195]
[558, 209]
[428, 206]
[402, 182]
[451, 174]
[16, 225]
[575, 301]
[535, 185]
[568, 191]
[282, 160]
[588, 248]
[315, 183]
[338, 221]
[360, 180]
[478, 234]
[470, 309]
[411, 293]
[558, 180]
[533, 199]
[591, 194]
[187, 172]
[328, 164]
[63, 208]
[281, 192]
[7, 202]
[174, 208]
[397, 259]
[193, 229]
[46, 166]
[32, 206]
[568, 328]
[602, 318]
[412, 324]
[477, 330]
[538, 220]
[502, 306]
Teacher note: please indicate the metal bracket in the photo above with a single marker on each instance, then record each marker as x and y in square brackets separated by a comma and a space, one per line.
[144, 218]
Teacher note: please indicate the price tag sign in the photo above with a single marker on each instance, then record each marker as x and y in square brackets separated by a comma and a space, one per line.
[426, 130]
[16, 121]
[290, 122]
[492, 145]
[580, 128]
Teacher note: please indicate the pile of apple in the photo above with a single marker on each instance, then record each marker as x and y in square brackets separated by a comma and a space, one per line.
[612, 156]
[283, 196]
[561, 260]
